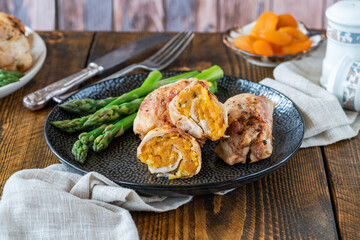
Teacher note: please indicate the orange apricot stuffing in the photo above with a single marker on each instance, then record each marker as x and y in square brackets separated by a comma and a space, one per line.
[273, 35]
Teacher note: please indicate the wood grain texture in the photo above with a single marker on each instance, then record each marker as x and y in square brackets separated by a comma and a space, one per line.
[307, 12]
[158, 15]
[292, 203]
[22, 141]
[180, 15]
[38, 14]
[343, 164]
[281, 206]
[89, 15]
[139, 15]
[206, 16]
[240, 12]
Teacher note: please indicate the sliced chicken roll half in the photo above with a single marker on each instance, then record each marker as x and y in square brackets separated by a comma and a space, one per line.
[250, 129]
[153, 111]
[170, 152]
[197, 111]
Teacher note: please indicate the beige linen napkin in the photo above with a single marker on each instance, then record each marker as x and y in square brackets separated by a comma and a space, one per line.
[53, 203]
[326, 122]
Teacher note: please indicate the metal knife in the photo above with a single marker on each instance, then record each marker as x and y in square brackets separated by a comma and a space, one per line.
[39, 98]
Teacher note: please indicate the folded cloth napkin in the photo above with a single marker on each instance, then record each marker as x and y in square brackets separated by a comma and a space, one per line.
[326, 122]
[53, 203]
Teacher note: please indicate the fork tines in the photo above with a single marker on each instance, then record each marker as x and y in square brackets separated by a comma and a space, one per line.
[171, 50]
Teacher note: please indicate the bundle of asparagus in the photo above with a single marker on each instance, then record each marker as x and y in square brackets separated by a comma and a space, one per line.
[7, 77]
[114, 115]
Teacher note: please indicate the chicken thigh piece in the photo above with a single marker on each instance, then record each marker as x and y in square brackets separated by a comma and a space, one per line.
[15, 48]
[250, 129]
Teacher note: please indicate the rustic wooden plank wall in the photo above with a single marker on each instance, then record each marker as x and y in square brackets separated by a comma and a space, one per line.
[157, 15]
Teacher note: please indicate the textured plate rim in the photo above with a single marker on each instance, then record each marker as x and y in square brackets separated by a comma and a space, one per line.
[189, 187]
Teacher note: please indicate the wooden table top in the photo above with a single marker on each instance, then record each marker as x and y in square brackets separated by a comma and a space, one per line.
[314, 195]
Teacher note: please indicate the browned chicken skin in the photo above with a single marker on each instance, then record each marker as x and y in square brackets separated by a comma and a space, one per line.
[154, 111]
[15, 48]
[250, 129]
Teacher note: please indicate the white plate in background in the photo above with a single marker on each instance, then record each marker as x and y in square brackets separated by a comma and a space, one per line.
[38, 52]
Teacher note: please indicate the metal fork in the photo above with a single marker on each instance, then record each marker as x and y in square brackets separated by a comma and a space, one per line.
[158, 61]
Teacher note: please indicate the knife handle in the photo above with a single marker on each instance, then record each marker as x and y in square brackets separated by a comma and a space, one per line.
[39, 98]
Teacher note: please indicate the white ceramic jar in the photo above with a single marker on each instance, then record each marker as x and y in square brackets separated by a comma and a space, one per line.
[343, 34]
[344, 83]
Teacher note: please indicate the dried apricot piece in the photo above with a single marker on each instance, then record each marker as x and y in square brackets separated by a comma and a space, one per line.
[286, 20]
[275, 37]
[266, 21]
[263, 48]
[296, 47]
[244, 42]
[294, 33]
[276, 49]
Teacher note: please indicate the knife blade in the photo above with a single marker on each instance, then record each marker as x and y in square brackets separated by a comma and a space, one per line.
[120, 55]
[41, 97]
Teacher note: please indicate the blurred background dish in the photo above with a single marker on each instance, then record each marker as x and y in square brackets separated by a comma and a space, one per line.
[316, 37]
[38, 53]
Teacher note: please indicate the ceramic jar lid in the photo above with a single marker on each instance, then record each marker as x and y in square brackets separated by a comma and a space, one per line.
[344, 13]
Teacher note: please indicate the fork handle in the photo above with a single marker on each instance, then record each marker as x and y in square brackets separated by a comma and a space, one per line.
[39, 98]
[122, 72]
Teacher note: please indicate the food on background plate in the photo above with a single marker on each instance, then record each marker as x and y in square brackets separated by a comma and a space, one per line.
[273, 35]
[250, 129]
[198, 111]
[7, 77]
[15, 50]
[170, 152]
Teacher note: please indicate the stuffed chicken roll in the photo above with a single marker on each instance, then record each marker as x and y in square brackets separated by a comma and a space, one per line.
[153, 111]
[249, 136]
[197, 111]
[170, 152]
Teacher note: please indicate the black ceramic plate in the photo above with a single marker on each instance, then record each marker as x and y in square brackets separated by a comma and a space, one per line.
[119, 163]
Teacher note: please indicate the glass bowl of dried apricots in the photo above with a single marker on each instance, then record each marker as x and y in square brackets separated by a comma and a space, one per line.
[273, 39]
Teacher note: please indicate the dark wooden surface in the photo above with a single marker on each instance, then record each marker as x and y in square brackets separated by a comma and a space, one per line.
[313, 196]
[158, 15]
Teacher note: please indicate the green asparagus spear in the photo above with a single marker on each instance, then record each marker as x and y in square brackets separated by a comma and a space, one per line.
[81, 146]
[88, 106]
[153, 77]
[114, 112]
[85, 106]
[71, 125]
[112, 131]
[111, 113]
[80, 151]
[7, 77]
[211, 75]
[87, 137]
